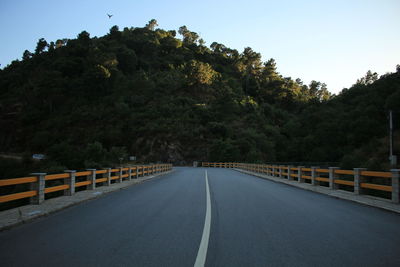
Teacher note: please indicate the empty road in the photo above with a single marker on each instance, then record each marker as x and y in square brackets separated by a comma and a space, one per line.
[240, 220]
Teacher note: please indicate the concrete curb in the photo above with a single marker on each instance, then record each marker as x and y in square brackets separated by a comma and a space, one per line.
[361, 199]
[24, 214]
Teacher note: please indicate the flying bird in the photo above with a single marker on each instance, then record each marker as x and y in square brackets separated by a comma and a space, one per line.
[109, 16]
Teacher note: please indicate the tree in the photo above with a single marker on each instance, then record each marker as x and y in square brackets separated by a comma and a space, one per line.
[314, 88]
[118, 154]
[323, 93]
[269, 70]
[94, 155]
[85, 36]
[188, 36]
[151, 25]
[369, 78]
[201, 73]
[146, 92]
[61, 43]
[27, 55]
[218, 48]
[115, 33]
[201, 42]
[41, 46]
[251, 65]
[251, 59]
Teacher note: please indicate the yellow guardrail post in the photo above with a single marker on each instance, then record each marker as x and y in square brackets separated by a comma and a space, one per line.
[70, 181]
[38, 187]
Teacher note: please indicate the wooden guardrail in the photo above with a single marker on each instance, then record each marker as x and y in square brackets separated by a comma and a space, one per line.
[358, 179]
[71, 180]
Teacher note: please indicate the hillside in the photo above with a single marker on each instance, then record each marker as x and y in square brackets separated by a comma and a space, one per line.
[90, 102]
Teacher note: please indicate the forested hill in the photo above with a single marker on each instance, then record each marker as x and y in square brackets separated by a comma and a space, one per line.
[88, 102]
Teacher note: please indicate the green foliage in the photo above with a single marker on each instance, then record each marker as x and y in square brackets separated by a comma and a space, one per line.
[40, 46]
[200, 73]
[152, 24]
[91, 102]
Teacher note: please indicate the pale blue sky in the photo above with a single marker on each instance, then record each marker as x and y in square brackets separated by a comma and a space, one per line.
[335, 42]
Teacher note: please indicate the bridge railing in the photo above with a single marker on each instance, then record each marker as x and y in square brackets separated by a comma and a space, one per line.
[359, 180]
[40, 183]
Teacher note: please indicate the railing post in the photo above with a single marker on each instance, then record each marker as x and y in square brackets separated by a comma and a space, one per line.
[299, 174]
[280, 171]
[70, 181]
[358, 180]
[91, 177]
[395, 185]
[273, 171]
[314, 175]
[332, 177]
[289, 173]
[120, 175]
[108, 174]
[130, 174]
[38, 187]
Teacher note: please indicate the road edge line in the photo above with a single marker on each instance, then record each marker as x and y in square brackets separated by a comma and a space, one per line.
[202, 253]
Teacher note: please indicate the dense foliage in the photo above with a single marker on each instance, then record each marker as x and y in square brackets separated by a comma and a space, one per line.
[90, 102]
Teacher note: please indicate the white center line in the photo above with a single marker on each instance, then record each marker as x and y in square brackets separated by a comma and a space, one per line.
[202, 253]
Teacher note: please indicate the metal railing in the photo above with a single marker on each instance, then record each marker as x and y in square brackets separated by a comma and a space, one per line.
[359, 180]
[70, 180]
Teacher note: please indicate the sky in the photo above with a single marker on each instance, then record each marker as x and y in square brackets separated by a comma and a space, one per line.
[335, 41]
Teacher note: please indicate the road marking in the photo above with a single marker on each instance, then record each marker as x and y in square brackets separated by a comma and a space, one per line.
[202, 253]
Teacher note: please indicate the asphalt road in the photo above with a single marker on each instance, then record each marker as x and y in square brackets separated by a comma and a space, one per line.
[254, 222]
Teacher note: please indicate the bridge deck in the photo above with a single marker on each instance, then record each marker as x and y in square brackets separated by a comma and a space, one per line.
[254, 222]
